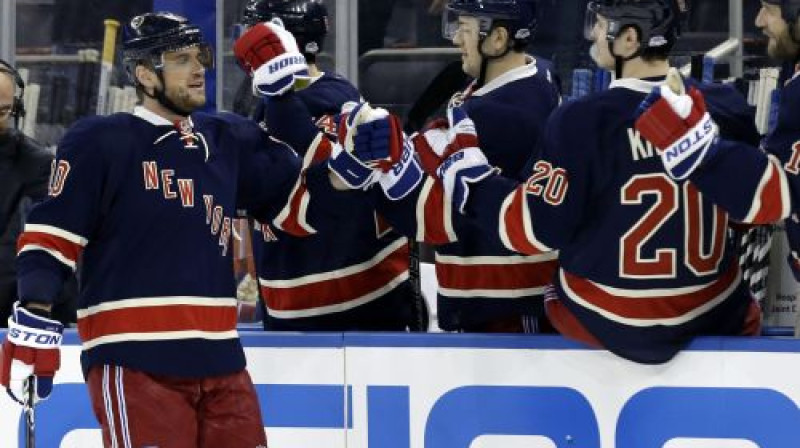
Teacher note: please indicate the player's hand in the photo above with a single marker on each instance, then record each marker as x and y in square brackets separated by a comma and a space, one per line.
[31, 348]
[402, 176]
[357, 169]
[464, 162]
[677, 123]
[269, 52]
[379, 142]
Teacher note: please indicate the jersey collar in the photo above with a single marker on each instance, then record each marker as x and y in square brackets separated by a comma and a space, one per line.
[635, 84]
[525, 71]
[150, 116]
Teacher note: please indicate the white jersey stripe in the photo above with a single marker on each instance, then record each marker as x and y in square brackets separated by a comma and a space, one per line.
[160, 336]
[492, 293]
[55, 231]
[634, 322]
[53, 253]
[496, 260]
[339, 273]
[141, 302]
[335, 308]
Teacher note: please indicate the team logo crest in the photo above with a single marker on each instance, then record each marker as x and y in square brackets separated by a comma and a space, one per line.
[328, 125]
[188, 136]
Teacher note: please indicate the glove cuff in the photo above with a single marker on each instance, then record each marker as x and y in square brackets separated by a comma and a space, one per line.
[683, 157]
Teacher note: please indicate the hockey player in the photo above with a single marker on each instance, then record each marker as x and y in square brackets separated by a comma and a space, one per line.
[346, 274]
[644, 264]
[483, 286]
[767, 183]
[145, 200]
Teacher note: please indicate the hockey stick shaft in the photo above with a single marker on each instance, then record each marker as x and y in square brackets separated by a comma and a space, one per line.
[29, 413]
[106, 63]
[415, 277]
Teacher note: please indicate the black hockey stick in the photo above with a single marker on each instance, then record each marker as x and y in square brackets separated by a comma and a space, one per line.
[29, 412]
[421, 312]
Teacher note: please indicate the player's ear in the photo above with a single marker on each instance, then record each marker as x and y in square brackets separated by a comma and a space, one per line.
[499, 40]
[629, 38]
[145, 75]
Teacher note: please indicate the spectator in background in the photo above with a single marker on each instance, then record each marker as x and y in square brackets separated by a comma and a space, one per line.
[24, 172]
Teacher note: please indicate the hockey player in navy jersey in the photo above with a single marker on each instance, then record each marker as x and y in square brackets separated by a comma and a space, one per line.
[644, 263]
[756, 186]
[345, 274]
[145, 201]
[483, 286]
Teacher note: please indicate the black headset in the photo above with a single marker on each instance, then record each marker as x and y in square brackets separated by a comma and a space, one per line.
[18, 108]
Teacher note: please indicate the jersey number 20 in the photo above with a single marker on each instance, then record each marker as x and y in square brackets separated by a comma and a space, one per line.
[667, 206]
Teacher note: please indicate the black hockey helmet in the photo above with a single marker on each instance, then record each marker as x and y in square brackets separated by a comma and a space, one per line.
[790, 9]
[307, 20]
[149, 35]
[657, 21]
[518, 15]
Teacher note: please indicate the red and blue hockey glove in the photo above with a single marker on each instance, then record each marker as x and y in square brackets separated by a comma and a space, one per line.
[270, 54]
[677, 123]
[403, 176]
[363, 169]
[464, 162]
[431, 144]
[381, 144]
[31, 348]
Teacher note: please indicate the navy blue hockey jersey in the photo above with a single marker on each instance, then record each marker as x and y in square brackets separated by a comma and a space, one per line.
[347, 273]
[644, 260]
[147, 207]
[479, 279]
[767, 186]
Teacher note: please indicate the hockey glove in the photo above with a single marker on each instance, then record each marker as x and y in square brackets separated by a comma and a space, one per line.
[677, 123]
[403, 176]
[356, 170]
[269, 52]
[430, 144]
[31, 348]
[381, 144]
[464, 162]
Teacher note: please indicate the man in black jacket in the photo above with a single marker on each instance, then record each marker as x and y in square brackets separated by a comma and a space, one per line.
[24, 173]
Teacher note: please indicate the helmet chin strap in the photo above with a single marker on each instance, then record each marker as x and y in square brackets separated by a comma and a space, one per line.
[161, 96]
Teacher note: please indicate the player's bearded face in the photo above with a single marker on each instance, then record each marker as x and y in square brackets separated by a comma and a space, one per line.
[466, 39]
[184, 78]
[781, 45]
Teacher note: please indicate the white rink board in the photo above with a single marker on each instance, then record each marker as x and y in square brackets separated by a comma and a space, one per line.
[478, 391]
